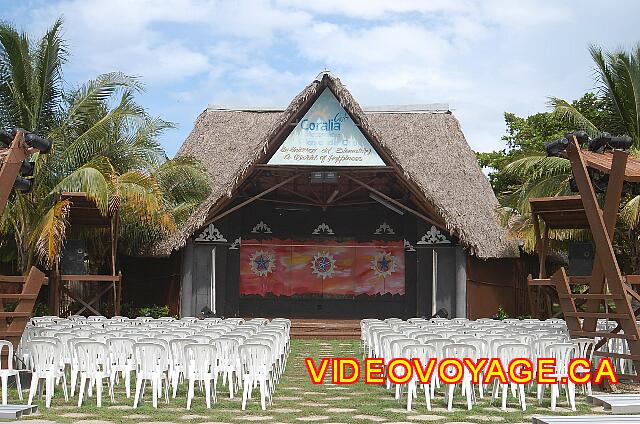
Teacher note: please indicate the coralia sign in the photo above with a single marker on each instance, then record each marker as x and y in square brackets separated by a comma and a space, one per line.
[326, 136]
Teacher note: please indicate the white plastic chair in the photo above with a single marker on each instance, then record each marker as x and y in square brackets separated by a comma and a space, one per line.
[507, 353]
[150, 366]
[73, 366]
[46, 361]
[94, 365]
[227, 350]
[584, 349]
[122, 361]
[177, 367]
[9, 371]
[256, 366]
[461, 351]
[397, 350]
[562, 353]
[424, 353]
[201, 366]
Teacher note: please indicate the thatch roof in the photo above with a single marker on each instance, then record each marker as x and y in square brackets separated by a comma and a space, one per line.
[427, 146]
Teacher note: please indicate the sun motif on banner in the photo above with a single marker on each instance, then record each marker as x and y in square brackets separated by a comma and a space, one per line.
[262, 262]
[323, 265]
[383, 264]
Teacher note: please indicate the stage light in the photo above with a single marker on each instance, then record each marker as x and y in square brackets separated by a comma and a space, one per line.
[5, 137]
[319, 177]
[37, 142]
[316, 177]
[604, 140]
[27, 168]
[331, 177]
[581, 136]
[556, 147]
[31, 139]
[23, 184]
[383, 202]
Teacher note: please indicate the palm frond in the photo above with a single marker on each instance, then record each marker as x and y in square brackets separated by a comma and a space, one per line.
[47, 84]
[87, 98]
[16, 73]
[566, 112]
[537, 167]
[51, 233]
[91, 180]
[630, 212]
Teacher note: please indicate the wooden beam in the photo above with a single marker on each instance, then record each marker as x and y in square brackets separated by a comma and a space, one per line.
[333, 196]
[349, 193]
[611, 206]
[252, 199]
[92, 278]
[10, 167]
[290, 168]
[77, 299]
[392, 200]
[298, 194]
[97, 297]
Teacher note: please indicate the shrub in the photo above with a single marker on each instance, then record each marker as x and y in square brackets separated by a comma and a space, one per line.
[155, 311]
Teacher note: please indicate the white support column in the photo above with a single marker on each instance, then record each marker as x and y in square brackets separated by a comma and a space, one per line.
[461, 283]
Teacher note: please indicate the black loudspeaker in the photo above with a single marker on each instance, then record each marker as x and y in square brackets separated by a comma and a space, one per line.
[73, 258]
[580, 258]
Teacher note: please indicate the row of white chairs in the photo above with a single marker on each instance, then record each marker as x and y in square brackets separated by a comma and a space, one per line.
[161, 352]
[461, 338]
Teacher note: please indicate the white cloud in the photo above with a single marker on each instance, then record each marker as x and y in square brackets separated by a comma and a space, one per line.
[482, 57]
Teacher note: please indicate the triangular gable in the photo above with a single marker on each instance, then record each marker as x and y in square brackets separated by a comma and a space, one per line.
[326, 136]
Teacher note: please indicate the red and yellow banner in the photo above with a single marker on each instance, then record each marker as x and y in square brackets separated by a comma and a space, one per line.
[287, 267]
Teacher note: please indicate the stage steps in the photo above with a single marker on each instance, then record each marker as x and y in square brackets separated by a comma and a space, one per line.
[325, 329]
[13, 412]
[618, 403]
[581, 419]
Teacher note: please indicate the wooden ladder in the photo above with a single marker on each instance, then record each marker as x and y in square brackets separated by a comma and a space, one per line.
[606, 282]
[13, 323]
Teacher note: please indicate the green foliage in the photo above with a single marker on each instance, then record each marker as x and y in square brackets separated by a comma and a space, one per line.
[155, 311]
[40, 309]
[105, 145]
[522, 170]
[526, 137]
[502, 314]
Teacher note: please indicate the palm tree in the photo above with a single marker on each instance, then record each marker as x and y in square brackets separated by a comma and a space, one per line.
[618, 77]
[105, 145]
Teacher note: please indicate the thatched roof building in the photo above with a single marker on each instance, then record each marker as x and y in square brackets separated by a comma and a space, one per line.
[428, 147]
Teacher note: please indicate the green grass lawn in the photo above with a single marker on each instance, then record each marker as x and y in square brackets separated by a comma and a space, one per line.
[297, 400]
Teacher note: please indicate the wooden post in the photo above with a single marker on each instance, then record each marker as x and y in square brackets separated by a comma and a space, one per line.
[114, 252]
[540, 249]
[54, 292]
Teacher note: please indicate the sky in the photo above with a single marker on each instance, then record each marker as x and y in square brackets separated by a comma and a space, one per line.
[481, 57]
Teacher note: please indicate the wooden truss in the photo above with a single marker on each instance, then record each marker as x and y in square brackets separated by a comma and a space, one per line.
[606, 284]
